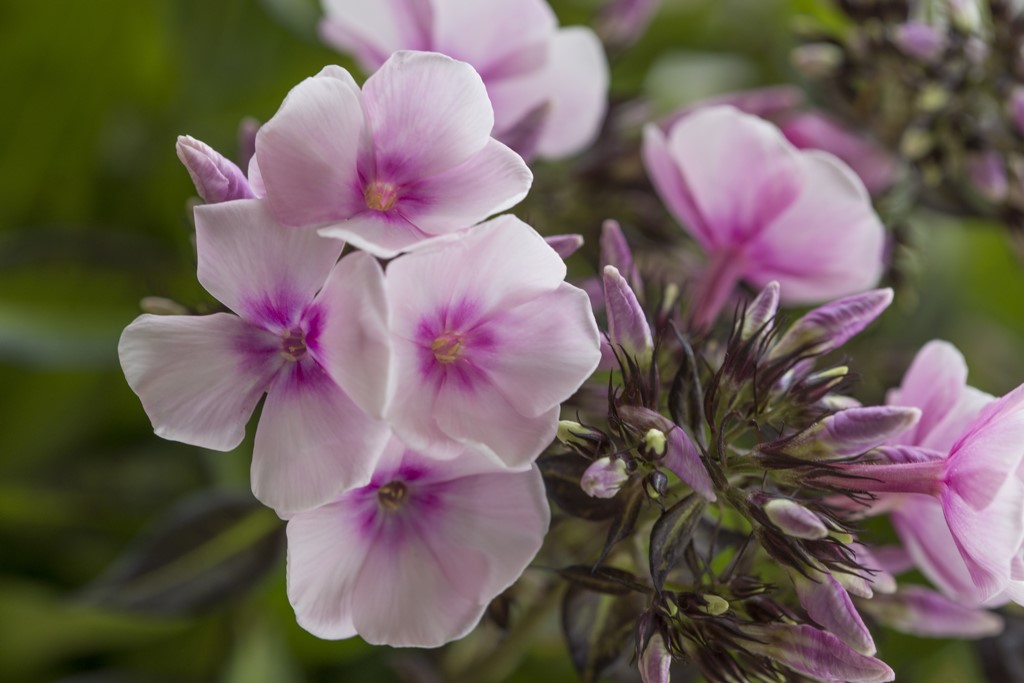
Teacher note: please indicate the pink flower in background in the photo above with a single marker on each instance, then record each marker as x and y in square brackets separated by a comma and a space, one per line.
[406, 159]
[488, 340]
[549, 86]
[200, 377]
[763, 210]
[414, 558]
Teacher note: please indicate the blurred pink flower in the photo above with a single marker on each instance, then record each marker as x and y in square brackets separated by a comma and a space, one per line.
[406, 159]
[200, 377]
[763, 210]
[549, 86]
[413, 558]
[488, 340]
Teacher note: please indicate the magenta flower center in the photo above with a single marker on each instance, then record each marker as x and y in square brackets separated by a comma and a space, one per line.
[380, 196]
[448, 347]
[293, 344]
[392, 495]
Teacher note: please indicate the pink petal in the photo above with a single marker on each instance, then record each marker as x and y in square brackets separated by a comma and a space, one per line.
[263, 271]
[496, 264]
[927, 539]
[198, 377]
[385, 235]
[933, 383]
[828, 243]
[312, 443]
[577, 78]
[546, 349]
[921, 612]
[326, 550]
[371, 31]
[672, 188]
[740, 171]
[828, 604]
[428, 113]
[308, 151]
[489, 424]
[491, 181]
[500, 38]
[354, 345]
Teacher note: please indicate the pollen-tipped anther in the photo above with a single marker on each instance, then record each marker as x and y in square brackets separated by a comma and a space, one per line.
[391, 495]
[447, 348]
[293, 344]
[380, 196]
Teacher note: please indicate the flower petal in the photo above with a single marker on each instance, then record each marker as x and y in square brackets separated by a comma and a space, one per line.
[428, 113]
[327, 547]
[385, 235]
[828, 243]
[577, 79]
[354, 345]
[309, 150]
[263, 271]
[546, 348]
[489, 182]
[371, 31]
[933, 383]
[672, 188]
[198, 377]
[312, 443]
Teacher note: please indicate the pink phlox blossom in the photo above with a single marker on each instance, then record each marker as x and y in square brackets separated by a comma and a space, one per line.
[548, 85]
[763, 210]
[487, 341]
[200, 377]
[413, 558]
[406, 159]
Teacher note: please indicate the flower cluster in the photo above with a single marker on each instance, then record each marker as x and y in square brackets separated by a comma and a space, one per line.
[404, 409]
[423, 366]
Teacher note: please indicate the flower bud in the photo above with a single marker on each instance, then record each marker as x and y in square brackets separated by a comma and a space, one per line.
[604, 477]
[655, 662]
[654, 441]
[247, 130]
[852, 432]
[656, 484]
[965, 15]
[920, 40]
[681, 456]
[761, 310]
[216, 179]
[1017, 108]
[565, 245]
[828, 327]
[622, 22]
[576, 435]
[627, 324]
[815, 653]
[714, 605]
[794, 519]
[615, 251]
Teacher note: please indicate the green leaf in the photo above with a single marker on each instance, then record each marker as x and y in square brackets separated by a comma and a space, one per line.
[625, 521]
[206, 551]
[671, 535]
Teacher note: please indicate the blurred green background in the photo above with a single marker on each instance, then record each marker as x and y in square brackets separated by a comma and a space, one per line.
[93, 217]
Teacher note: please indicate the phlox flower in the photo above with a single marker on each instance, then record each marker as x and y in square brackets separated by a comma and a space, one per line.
[200, 377]
[406, 159]
[414, 557]
[549, 86]
[487, 340]
[763, 210]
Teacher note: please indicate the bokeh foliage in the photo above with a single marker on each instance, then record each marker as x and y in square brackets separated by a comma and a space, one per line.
[93, 217]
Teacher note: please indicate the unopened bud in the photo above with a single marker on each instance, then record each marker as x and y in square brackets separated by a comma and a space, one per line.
[794, 519]
[851, 432]
[656, 485]
[655, 661]
[965, 14]
[1017, 108]
[932, 97]
[714, 605]
[654, 441]
[615, 251]
[761, 310]
[216, 178]
[604, 478]
[627, 325]
[916, 143]
[828, 327]
[574, 434]
[565, 245]
[681, 455]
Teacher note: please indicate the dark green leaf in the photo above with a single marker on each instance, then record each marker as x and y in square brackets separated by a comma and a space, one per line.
[625, 521]
[562, 475]
[671, 536]
[207, 550]
[603, 579]
[686, 395]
